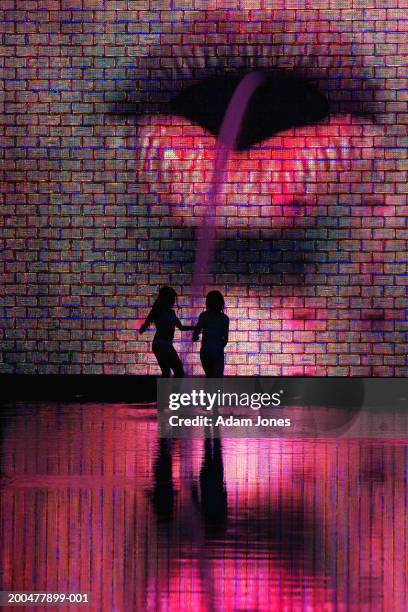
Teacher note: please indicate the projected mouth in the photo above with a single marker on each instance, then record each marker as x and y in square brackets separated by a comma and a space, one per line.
[177, 157]
[281, 102]
[278, 170]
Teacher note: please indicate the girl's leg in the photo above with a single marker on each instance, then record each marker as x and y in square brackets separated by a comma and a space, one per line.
[175, 363]
[206, 362]
[212, 359]
[162, 357]
[218, 369]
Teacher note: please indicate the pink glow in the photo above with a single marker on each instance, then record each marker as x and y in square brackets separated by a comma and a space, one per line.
[77, 514]
[282, 178]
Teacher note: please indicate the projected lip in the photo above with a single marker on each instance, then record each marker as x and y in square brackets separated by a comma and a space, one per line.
[287, 150]
[290, 168]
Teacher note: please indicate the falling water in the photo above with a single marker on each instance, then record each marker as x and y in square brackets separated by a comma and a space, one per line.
[227, 140]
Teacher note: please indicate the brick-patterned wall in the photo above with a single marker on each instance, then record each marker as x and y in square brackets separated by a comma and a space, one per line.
[102, 190]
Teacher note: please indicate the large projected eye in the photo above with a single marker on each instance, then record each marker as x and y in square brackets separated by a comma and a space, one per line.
[281, 103]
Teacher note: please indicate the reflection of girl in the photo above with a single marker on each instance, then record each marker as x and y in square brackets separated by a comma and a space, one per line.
[214, 324]
[165, 320]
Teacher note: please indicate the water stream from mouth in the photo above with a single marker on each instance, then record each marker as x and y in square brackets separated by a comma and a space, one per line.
[227, 140]
[226, 143]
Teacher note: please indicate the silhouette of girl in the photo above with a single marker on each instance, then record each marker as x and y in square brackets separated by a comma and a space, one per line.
[214, 325]
[165, 320]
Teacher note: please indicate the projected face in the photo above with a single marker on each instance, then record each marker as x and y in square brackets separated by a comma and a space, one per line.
[119, 129]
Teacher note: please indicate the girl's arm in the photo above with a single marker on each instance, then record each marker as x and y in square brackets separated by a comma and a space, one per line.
[182, 327]
[198, 328]
[148, 321]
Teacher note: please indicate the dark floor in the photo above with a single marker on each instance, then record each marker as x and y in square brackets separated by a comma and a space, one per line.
[92, 502]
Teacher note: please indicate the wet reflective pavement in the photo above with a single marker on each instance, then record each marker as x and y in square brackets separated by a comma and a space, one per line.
[93, 502]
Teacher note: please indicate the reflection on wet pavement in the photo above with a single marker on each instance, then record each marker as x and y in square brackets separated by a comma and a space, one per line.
[92, 501]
